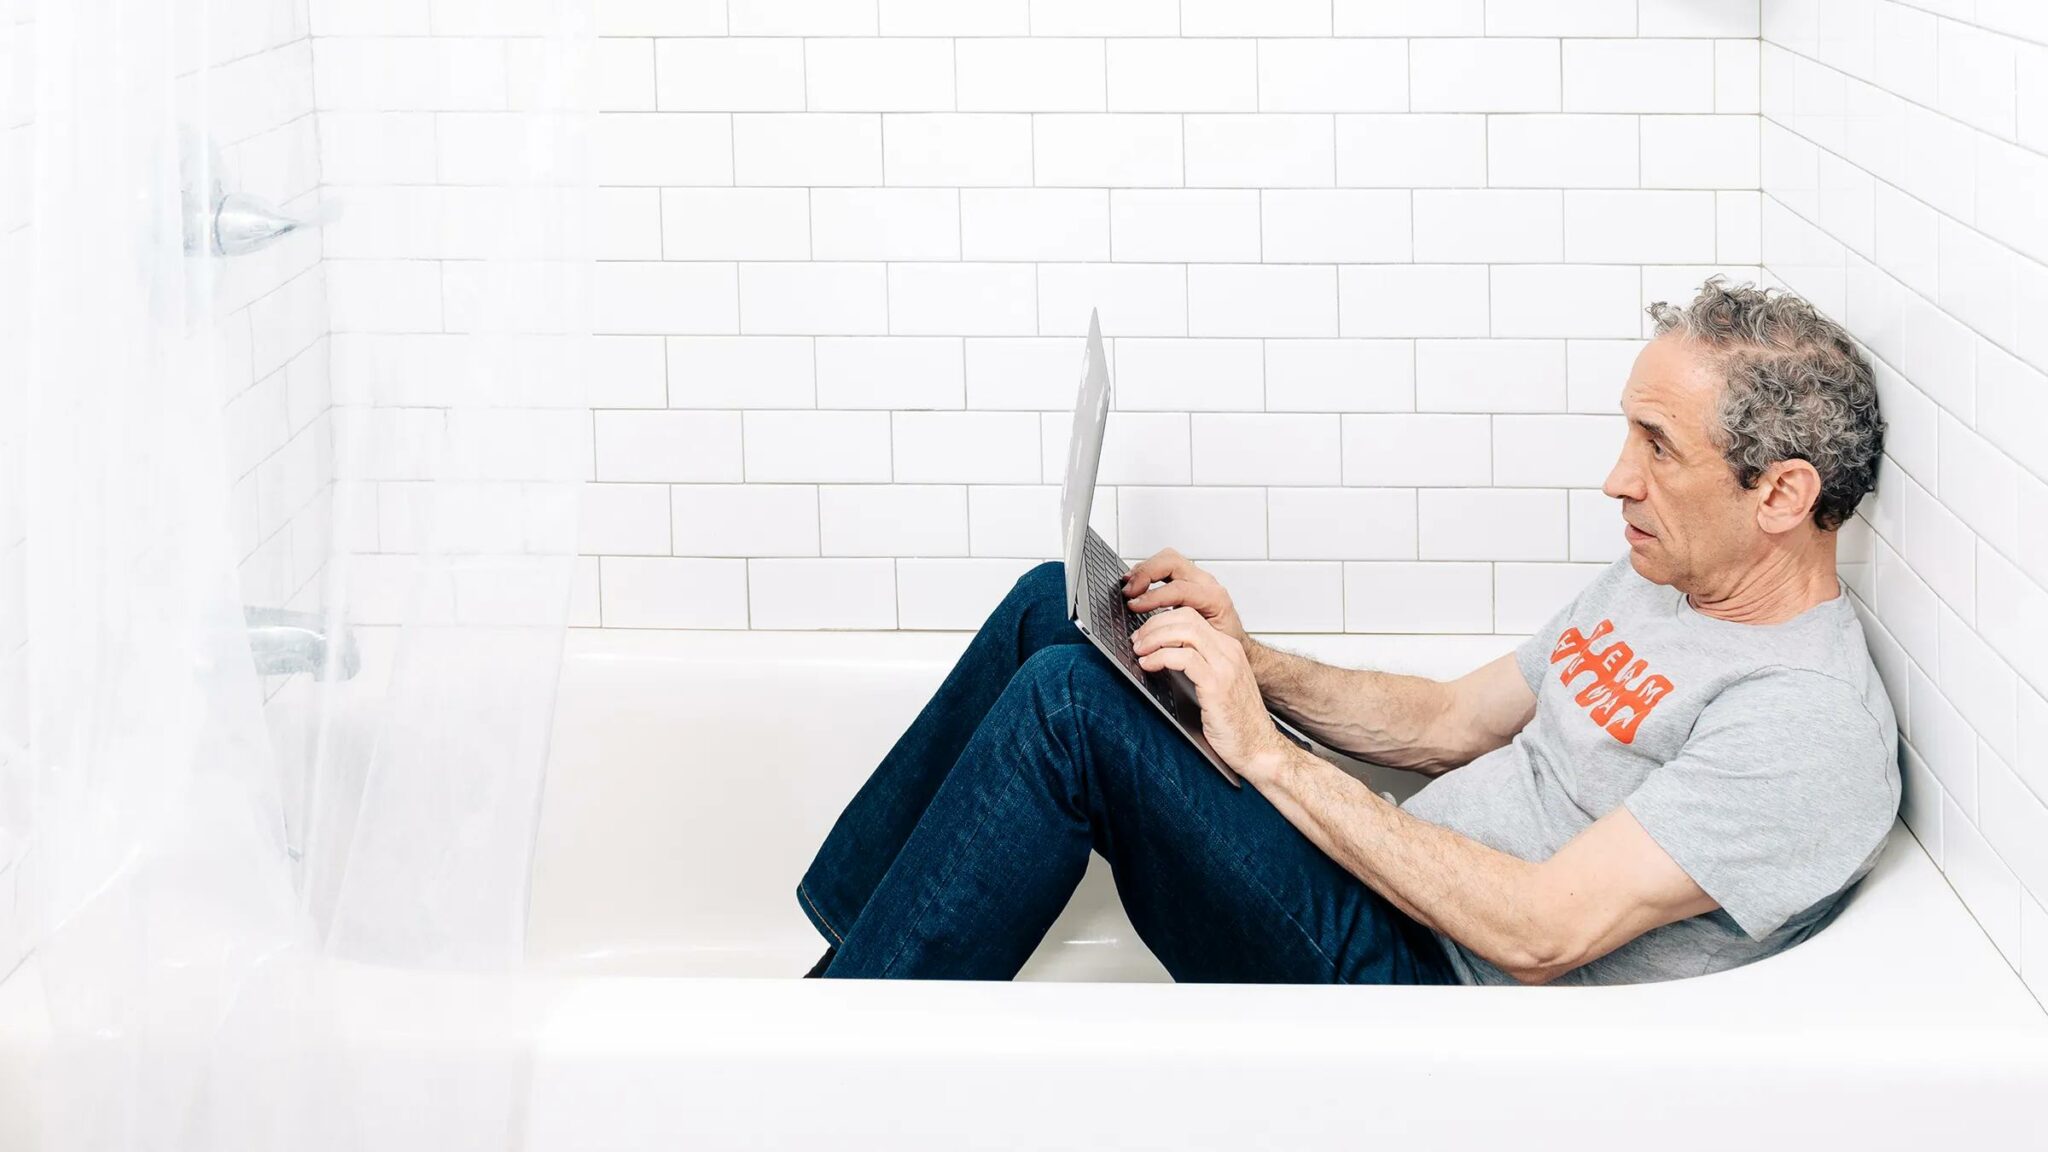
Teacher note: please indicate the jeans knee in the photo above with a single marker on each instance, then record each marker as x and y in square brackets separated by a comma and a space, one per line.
[1060, 675]
[1080, 701]
[1049, 672]
[1065, 676]
[1046, 579]
[1043, 694]
[1044, 585]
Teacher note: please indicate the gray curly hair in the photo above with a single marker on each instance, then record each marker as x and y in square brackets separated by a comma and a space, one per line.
[1797, 388]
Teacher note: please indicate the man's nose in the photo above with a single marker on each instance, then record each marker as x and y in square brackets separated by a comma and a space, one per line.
[1624, 480]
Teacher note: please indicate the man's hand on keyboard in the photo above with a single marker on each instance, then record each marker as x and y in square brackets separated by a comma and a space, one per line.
[1185, 586]
[1234, 716]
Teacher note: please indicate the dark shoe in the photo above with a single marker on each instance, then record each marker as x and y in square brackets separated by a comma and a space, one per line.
[818, 969]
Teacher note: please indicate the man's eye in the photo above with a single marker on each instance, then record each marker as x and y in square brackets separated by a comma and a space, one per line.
[1657, 449]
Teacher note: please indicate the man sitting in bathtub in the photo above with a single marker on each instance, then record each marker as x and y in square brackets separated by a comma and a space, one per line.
[1680, 772]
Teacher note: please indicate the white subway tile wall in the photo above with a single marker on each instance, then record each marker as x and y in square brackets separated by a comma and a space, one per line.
[17, 238]
[268, 342]
[1372, 273]
[1904, 170]
[274, 307]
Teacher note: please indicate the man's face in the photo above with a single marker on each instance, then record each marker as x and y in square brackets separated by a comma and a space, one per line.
[1689, 524]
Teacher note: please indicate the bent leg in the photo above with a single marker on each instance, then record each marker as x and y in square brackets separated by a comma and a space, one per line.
[1222, 887]
[1216, 881]
[864, 840]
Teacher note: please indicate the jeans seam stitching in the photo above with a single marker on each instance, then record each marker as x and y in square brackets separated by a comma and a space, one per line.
[1210, 829]
[819, 913]
[911, 929]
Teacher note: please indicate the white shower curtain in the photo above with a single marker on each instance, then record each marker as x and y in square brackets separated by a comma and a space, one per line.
[207, 876]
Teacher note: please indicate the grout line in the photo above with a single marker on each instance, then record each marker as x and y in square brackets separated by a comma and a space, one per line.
[1037, 315]
[1876, 178]
[1489, 289]
[1903, 99]
[1642, 272]
[1408, 62]
[1903, 285]
[1258, 84]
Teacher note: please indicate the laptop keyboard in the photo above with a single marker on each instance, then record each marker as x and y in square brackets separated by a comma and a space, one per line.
[1109, 614]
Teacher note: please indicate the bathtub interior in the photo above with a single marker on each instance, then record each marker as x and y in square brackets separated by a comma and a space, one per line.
[693, 776]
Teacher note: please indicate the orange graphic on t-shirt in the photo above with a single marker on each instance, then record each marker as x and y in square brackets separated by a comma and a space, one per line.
[1616, 684]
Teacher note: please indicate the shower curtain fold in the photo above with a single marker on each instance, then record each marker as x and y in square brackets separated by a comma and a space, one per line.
[206, 873]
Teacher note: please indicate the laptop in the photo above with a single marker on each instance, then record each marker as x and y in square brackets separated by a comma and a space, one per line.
[1095, 573]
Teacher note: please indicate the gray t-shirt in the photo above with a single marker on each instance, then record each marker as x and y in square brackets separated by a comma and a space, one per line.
[1761, 757]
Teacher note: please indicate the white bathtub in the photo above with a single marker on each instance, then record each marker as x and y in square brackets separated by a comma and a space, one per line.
[695, 773]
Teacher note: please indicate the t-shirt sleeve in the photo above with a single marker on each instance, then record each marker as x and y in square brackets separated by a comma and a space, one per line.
[1783, 793]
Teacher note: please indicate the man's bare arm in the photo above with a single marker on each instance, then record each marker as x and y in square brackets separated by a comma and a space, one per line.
[1534, 921]
[1413, 722]
[1409, 722]
[1606, 886]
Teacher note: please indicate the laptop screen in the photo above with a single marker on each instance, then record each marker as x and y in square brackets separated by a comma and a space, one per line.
[1084, 455]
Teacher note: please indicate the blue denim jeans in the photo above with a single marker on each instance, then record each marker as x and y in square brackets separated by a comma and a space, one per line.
[955, 856]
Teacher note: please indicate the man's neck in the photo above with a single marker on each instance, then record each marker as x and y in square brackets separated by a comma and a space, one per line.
[1779, 586]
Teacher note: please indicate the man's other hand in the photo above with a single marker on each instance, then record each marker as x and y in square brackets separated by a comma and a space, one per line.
[1234, 717]
[1186, 586]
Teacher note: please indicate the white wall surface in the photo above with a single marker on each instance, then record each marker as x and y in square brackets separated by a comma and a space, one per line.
[247, 78]
[458, 283]
[1374, 273]
[243, 81]
[17, 118]
[256, 65]
[1905, 177]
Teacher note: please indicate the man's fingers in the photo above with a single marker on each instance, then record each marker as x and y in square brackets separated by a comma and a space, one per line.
[1182, 627]
[1186, 660]
[1152, 632]
[1165, 564]
[1172, 592]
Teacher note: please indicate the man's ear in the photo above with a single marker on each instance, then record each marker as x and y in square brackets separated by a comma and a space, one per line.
[1786, 494]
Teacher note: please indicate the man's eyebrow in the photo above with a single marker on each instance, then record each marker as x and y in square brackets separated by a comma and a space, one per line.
[1655, 430]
